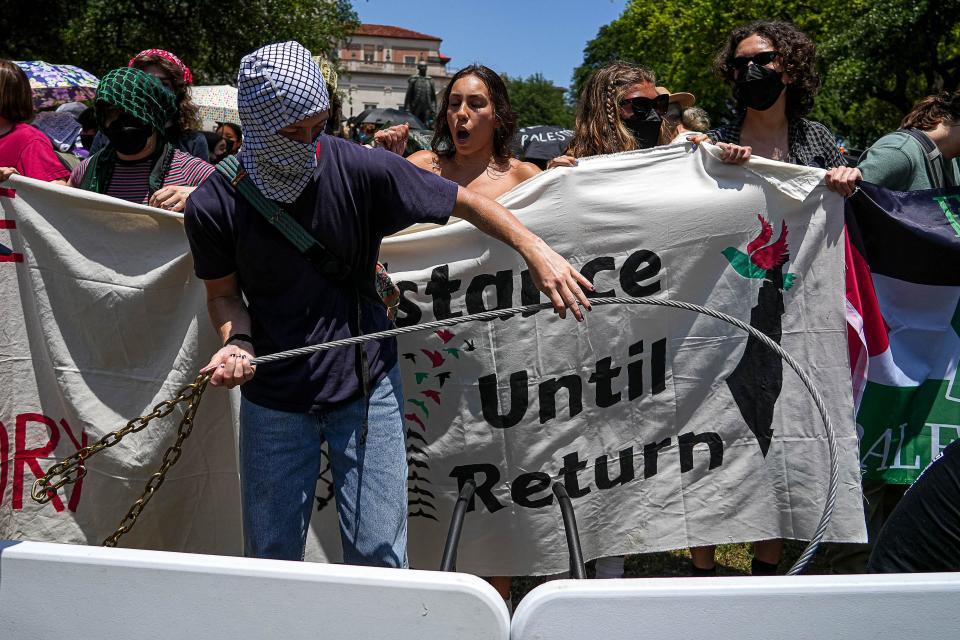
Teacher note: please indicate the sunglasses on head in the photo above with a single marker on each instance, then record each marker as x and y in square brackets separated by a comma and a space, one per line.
[761, 59]
[639, 105]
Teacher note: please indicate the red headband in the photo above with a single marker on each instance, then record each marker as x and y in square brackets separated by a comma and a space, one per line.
[169, 57]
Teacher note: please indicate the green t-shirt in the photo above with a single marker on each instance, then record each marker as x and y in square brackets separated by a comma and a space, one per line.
[896, 161]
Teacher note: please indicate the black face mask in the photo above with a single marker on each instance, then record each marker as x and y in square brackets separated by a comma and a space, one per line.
[645, 128]
[87, 141]
[758, 88]
[128, 135]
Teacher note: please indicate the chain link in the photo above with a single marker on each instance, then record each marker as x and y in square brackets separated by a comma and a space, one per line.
[170, 458]
[71, 468]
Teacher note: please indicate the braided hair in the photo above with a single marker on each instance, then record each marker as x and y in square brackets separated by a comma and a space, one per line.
[599, 129]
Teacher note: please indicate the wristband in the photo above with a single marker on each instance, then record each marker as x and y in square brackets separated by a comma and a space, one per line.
[238, 336]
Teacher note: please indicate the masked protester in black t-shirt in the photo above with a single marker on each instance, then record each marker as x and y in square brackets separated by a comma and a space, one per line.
[263, 296]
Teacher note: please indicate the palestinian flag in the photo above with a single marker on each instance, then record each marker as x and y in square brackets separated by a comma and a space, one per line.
[903, 316]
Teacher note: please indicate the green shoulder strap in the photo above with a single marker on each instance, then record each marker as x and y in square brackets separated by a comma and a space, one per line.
[292, 230]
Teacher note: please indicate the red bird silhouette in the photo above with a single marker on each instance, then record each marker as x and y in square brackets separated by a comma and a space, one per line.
[445, 335]
[435, 358]
[412, 417]
[772, 255]
[766, 232]
[432, 394]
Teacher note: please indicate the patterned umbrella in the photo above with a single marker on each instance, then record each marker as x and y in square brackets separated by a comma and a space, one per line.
[216, 103]
[54, 84]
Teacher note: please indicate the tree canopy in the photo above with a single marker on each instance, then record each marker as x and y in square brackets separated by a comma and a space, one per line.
[210, 37]
[536, 100]
[876, 57]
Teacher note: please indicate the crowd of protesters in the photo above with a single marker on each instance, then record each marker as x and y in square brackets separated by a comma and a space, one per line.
[140, 141]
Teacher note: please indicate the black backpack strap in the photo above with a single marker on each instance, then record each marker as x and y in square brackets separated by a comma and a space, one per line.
[304, 241]
[936, 165]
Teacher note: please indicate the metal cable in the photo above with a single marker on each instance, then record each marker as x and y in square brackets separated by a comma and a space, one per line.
[832, 486]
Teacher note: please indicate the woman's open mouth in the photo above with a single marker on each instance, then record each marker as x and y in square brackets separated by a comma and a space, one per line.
[462, 135]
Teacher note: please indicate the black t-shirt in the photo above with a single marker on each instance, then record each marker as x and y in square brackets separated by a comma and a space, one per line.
[357, 197]
[922, 534]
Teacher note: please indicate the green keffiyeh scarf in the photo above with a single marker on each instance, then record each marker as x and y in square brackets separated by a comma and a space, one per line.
[142, 96]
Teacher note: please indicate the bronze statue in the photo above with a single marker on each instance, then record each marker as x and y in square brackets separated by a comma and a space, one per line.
[421, 98]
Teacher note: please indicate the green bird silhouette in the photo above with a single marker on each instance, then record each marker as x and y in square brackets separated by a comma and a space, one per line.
[454, 352]
[421, 377]
[742, 264]
[422, 405]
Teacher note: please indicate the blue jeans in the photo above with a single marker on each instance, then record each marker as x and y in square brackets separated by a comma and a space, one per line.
[280, 462]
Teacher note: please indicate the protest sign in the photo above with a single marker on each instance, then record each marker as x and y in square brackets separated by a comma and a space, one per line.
[667, 428]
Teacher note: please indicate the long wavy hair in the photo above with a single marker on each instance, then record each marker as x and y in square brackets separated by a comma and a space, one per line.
[598, 129]
[797, 52]
[189, 119]
[442, 144]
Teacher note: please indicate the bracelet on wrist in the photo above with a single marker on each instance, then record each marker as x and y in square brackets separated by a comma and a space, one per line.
[238, 337]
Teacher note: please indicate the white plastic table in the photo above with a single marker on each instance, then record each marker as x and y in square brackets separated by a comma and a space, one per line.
[78, 592]
[860, 607]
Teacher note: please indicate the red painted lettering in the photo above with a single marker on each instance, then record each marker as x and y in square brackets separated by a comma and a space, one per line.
[24, 457]
[8, 255]
[4, 460]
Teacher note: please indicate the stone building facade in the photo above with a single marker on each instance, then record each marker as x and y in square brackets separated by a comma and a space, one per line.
[377, 61]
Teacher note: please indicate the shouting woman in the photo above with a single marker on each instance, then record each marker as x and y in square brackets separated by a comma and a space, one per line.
[471, 142]
[471, 146]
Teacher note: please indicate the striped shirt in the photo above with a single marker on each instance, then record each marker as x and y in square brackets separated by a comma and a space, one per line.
[131, 180]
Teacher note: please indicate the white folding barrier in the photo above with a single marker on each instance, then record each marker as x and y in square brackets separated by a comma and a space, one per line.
[861, 607]
[77, 592]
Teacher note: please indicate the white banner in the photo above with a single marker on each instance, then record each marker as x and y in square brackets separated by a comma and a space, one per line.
[669, 429]
[104, 319]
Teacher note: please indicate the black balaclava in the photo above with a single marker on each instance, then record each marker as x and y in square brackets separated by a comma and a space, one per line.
[758, 88]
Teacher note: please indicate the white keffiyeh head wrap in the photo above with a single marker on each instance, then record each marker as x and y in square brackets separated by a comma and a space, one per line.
[278, 85]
